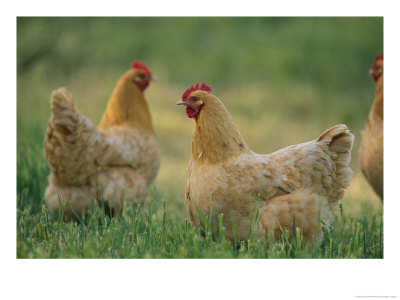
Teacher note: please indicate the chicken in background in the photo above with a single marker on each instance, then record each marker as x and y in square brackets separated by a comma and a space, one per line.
[116, 161]
[371, 149]
[300, 183]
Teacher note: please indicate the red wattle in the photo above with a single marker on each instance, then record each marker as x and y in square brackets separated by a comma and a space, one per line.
[190, 112]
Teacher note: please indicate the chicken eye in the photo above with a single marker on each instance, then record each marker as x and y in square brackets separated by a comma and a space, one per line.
[194, 99]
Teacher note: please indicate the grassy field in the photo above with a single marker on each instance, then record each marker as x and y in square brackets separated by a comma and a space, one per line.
[284, 80]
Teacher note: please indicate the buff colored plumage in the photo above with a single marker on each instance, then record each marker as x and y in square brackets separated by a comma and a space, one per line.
[121, 156]
[226, 177]
[371, 149]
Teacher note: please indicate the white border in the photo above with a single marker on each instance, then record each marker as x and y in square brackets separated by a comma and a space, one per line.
[197, 279]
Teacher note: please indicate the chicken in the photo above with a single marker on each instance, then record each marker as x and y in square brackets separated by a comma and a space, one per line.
[300, 183]
[371, 149]
[116, 161]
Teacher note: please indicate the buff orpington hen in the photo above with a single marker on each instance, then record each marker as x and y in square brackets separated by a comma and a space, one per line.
[371, 149]
[116, 160]
[300, 183]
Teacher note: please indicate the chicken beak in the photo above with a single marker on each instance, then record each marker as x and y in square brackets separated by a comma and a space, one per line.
[153, 78]
[180, 102]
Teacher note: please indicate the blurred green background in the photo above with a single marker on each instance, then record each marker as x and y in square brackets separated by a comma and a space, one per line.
[284, 80]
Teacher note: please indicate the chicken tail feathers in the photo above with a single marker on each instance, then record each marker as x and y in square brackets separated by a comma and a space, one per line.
[63, 110]
[338, 142]
[70, 140]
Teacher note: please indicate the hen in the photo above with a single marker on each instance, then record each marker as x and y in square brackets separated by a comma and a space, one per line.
[116, 160]
[371, 149]
[299, 183]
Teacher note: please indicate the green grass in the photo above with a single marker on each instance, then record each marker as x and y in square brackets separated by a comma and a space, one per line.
[157, 231]
[151, 232]
[284, 80]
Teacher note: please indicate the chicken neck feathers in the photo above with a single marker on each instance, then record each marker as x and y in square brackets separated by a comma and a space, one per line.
[127, 107]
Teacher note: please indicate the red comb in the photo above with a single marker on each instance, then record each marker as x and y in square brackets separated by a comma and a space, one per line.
[202, 87]
[375, 70]
[139, 65]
